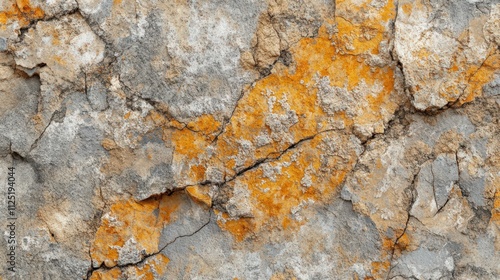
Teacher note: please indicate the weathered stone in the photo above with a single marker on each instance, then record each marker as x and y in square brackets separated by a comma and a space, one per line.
[251, 139]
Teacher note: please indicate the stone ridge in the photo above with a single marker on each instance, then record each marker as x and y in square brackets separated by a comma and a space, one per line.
[252, 139]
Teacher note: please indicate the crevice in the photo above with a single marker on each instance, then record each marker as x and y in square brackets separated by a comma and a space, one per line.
[394, 247]
[54, 117]
[409, 216]
[34, 22]
[241, 172]
[228, 121]
[268, 158]
[146, 257]
[85, 83]
[434, 187]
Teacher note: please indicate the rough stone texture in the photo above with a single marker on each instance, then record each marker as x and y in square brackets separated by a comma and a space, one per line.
[251, 139]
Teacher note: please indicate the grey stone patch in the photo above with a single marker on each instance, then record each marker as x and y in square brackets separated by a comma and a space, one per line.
[153, 137]
[61, 174]
[209, 255]
[493, 88]
[447, 120]
[4, 146]
[55, 7]
[473, 186]
[97, 96]
[425, 264]
[129, 253]
[191, 218]
[150, 173]
[19, 104]
[96, 14]
[240, 203]
[425, 205]
[38, 254]
[3, 44]
[192, 73]
[445, 173]
[54, 262]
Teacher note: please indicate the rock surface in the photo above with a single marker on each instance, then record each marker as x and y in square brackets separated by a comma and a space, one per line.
[250, 139]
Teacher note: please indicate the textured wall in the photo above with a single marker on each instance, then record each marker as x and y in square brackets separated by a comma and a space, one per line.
[247, 139]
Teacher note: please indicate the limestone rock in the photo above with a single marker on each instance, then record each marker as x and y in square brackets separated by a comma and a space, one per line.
[250, 139]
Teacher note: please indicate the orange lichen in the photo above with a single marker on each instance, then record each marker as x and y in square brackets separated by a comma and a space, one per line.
[199, 194]
[290, 96]
[21, 11]
[379, 269]
[239, 228]
[275, 197]
[138, 222]
[481, 76]
[206, 124]
[152, 268]
[111, 274]
[495, 212]
[198, 172]
[188, 143]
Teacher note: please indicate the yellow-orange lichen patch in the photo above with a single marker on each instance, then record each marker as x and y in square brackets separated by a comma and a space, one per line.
[205, 124]
[199, 194]
[284, 108]
[289, 93]
[188, 143]
[481, 76]
[151, 269]
[407, 8]
[111, 274]
[21, 11]
[299, 177]
[495, 212]
[239, 228]
[138, 223]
